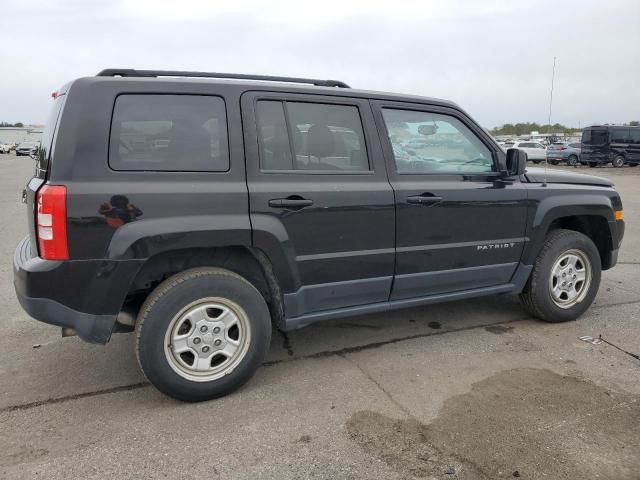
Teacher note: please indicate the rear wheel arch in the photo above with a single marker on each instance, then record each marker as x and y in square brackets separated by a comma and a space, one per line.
[615, 162]
[250, 263]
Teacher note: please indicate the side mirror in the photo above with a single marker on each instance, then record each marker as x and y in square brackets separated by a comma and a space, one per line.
[427, 129]
[516, 162]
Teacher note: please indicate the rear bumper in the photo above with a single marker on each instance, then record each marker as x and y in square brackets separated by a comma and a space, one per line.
[90, 328]
[85, 295]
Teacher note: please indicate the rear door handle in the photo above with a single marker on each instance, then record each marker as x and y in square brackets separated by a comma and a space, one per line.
[424, 199]
[292, 202]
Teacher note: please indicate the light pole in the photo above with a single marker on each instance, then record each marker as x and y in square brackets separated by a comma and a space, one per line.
[553, 74]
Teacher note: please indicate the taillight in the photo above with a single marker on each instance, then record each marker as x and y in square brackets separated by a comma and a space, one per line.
[51, 222]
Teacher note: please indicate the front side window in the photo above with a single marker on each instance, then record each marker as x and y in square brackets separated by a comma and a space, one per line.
[634, 135]
[169, 133]
[425, 142]
[310, 136]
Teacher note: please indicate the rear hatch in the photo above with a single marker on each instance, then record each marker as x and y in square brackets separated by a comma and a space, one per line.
[555, 150]
[43, 163]
[595, 144]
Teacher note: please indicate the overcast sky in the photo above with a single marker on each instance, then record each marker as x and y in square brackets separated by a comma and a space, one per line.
[492, 57]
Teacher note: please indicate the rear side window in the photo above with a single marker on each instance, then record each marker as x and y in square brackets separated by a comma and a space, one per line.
[634, 135]
[619, 135]
[169, 133]
[310, 136]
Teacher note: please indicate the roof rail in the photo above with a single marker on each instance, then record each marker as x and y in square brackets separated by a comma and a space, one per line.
[129, 72]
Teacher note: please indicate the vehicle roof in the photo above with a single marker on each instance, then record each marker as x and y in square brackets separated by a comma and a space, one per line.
[258, 85]
[609, 126]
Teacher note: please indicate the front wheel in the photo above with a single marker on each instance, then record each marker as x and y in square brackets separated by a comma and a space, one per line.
[618, 162]
[565, 277]
[572, 161]
[202, 334]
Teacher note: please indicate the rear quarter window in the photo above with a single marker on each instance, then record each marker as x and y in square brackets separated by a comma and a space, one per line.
[169, 133]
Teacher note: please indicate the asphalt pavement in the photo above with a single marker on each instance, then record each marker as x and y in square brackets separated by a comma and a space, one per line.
[468, 390]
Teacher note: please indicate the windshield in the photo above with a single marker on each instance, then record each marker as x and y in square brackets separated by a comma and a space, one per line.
[594, 137]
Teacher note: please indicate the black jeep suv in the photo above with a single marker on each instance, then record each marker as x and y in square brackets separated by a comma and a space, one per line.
[200, 211]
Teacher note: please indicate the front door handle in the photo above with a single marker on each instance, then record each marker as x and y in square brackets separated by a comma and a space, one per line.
[424, 199]
[293, 202]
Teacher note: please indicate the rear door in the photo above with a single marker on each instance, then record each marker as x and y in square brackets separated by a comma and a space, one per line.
[460, 226]
[595, 145]
[539, 151]
[321, 206]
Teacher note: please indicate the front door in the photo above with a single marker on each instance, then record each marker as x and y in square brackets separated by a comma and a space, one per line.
[460, 225]
[321, 206]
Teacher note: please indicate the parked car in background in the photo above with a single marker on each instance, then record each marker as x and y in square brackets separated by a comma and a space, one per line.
[559, 152]
[5, 148]
[27, 148]
[615, 144]
[535, 151]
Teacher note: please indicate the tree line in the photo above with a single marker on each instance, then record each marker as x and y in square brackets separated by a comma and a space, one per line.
[6, 124]
[528, 127]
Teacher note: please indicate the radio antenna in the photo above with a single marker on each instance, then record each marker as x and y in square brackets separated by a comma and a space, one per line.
[546, 162]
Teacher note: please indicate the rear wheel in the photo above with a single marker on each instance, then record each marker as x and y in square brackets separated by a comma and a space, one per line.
[618, 162]
[572, 160]
[202, 334]
[565, 277]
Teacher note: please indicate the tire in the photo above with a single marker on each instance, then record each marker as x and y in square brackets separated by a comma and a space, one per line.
[537, 296]
[554, 162]
[572, 161]
[167, 317]
[618, 162]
